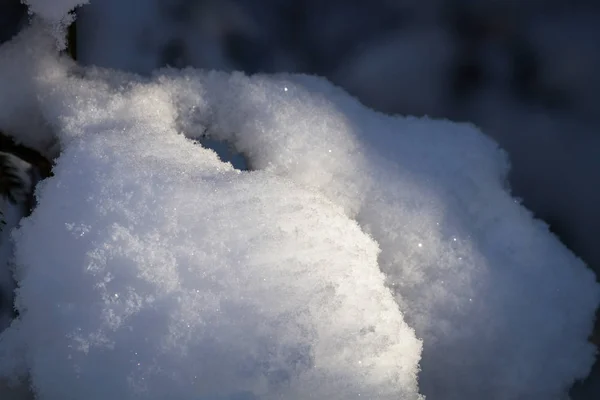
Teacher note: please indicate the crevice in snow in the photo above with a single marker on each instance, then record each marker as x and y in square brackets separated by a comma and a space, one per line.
[226, 153]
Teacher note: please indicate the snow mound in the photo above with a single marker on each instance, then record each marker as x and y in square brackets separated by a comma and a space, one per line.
[491, 292]
[150, 268]
[191, 280]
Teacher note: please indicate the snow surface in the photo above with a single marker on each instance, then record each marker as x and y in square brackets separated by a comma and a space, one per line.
[186, 278]
[57, 14]
[401, 56]
[482, 283]
[150, 268]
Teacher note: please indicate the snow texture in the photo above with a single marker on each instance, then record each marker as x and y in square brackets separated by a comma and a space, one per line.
[524, 71]
[58, 14]
[152, 269]
[186, 278]
[484, 285]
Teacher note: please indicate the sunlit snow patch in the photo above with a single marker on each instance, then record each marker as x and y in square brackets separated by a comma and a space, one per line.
[151, 269]
[170, 275]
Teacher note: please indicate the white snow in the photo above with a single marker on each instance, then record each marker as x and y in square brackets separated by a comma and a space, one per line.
[152, 269]
[484, 285]
[185, 278]
[57, 14]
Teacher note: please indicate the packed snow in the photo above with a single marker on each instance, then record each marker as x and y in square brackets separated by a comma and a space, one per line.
[151, 268]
